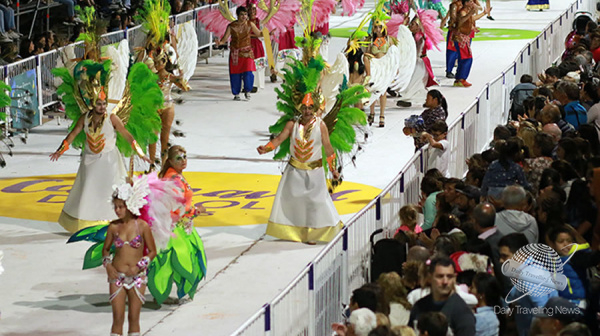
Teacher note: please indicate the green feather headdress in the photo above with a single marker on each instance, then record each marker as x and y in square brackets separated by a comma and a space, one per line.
[154, 15]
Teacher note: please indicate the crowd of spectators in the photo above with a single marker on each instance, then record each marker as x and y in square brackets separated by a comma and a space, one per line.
[537, 183]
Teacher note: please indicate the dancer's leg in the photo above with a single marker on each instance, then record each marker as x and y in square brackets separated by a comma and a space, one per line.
[166, 118]
[118, 309]
[135, 307]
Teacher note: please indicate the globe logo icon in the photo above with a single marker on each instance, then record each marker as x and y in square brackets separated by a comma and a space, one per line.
[536, 270]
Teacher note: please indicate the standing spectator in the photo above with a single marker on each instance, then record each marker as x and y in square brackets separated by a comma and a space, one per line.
[444, 299]
[437, 109]
[438, 154]
[408, 219]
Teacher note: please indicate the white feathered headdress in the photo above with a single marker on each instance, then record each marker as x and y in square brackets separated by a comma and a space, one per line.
[133, 195]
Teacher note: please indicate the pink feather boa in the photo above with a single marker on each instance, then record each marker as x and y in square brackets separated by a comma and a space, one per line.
[321, 10]
[393, 23]
[285, 16]
[213, 21]
[164, 198]
[434, 35]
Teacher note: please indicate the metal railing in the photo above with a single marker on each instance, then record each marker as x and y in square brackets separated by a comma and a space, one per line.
[46, 83]
[313, 301]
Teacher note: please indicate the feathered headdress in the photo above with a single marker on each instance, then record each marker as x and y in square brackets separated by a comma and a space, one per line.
[154, 15]
[357, 39]
[380, 16]
[91, 34]
[134, 195]
[433, 34]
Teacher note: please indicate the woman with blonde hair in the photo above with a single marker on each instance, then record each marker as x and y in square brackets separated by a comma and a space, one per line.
[395, 293]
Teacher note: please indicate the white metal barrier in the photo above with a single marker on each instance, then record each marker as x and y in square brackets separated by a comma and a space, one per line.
[313, 301]
[43, 63]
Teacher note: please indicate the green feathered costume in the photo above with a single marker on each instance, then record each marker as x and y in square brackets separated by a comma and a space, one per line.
[302, 208]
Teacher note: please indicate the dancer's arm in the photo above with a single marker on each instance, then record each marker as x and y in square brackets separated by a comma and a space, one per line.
[329, 150]
[255, 30]
[287, 131]
[111, 271]
[225, 37]
[118, 125]
[68, 140]
[148, 239]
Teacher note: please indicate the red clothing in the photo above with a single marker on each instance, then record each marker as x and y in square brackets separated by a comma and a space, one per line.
[287, 39]
[257, 47]
[596, 54]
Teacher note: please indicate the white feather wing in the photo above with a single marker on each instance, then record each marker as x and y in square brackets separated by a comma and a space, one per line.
[118, 73]
[384, 71]
[407, 58]
[187, 49]
[332, 80]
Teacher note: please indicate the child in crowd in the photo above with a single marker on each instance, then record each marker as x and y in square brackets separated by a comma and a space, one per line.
[408, 219]
[562, 241]
[438, 154]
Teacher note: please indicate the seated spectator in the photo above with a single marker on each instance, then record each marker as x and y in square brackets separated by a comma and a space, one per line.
[395, 293]
[551, 114]
[432, 324]
[51, 42]
[408, 219]
[568, 95]
[549, 77]
[360, 323]
[504, 171]
[444, 299]
[26, 48]
[475, 176]
[513, 219]
[8, 24]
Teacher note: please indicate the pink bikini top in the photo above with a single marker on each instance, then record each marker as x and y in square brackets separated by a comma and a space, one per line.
[135, 242]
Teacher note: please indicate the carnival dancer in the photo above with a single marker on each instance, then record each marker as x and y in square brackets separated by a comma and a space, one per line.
[257, 49]
[465, 31]
[133, 244]
[185, 245]
[427, 35]
[241, 57]
[451, 52]
[537, 5]
[163, 59]
[380, 43]
[303, 209]
[299, 213]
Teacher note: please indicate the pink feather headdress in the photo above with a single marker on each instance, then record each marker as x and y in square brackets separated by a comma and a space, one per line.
[321, 9]
[214, 21]
[433, 34]
[393, 23]
[349, 7]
